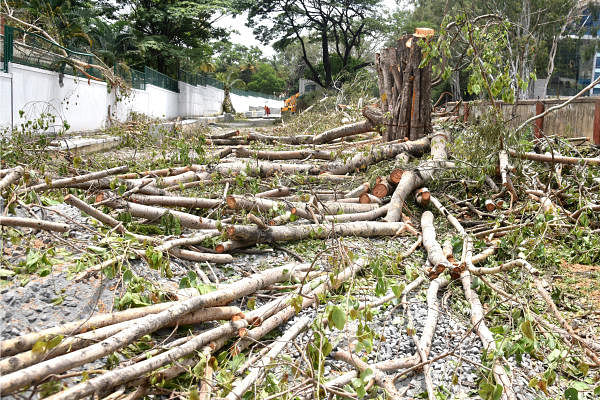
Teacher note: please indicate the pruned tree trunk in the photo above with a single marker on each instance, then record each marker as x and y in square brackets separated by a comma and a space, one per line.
[405, 90]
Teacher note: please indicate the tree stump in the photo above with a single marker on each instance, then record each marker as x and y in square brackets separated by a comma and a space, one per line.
[405, 91]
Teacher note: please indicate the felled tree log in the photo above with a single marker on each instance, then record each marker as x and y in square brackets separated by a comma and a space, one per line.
[344, 131]
[285, 155]
[23, 360]
[105, 183]
[34, 223]
[67, 182]
[361, 216]
[156, 172]
[251, 233]
[435, 255]
[175, 201]
[299, 139]
[279, 192]
[249, 204]
[11, 177]
[224, 135]
[506, 181]
[382, 187]
[11, 382]
[155, 213]
[414, 179]
[378, 154]
[260, 368]
[555, 159]
[386, 382]
[265, 168]
[356, 192]
[478, 321]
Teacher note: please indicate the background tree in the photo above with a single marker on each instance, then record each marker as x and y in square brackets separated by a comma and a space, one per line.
[339, 26]
[169, 31]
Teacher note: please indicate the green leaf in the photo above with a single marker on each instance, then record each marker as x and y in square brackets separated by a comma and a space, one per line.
[497, 392]
[571, 394]
[527, 330]
[55, 341]
[338, 317]
[39, 347]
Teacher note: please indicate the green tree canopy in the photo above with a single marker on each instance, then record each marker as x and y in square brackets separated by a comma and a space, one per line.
[338, 25]
[265, 80]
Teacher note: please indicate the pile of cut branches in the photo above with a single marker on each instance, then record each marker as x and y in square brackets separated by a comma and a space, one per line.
[357, 187]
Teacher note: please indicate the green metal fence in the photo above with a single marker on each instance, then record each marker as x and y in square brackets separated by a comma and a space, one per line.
[156, 78]
[136, 79]
[21, 47]
[34, 50]
[205, 80]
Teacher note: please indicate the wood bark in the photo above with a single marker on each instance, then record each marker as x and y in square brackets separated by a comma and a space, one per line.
[278, 192]
[11, 177]
[34, 223]
[155, 213]
[250, 233]
[259, 369]
[11, 382]
[264, 168]
[377, 154]
[175, 201]
[67, 182]
[555, 159]
[285, 155]
[414, 179]
[405, 91]
[344, 131]
[68, 344]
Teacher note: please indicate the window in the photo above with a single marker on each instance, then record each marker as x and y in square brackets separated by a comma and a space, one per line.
[596, 91]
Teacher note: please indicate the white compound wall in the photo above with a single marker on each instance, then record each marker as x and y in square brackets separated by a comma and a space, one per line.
[27, 92]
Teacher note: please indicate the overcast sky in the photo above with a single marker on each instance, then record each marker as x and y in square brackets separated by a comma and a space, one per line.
[246, 37]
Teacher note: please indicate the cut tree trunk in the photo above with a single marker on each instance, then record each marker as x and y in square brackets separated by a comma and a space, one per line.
[251, 233]
[405, 90]
[11, 177]
[344, 131]
[378, 154]
[67, 182]
[285, 155]
[34, 223]
[412, 180]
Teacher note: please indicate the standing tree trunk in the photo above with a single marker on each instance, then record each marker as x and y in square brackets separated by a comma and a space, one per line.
[405, 91]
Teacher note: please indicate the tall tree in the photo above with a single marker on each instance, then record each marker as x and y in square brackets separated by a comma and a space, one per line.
[170, 30]
[338, 25]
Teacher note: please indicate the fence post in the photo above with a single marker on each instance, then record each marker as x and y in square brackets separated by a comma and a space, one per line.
[538, 128]
[8, 46]
[466, 112]
[596, 135]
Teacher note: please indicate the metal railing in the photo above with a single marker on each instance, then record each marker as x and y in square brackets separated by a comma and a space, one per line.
[205, 80]
[156, 78]
[36, 51]
[21, 47]
[136, 79]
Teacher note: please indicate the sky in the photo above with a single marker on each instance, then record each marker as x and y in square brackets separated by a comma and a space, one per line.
[246, 37]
